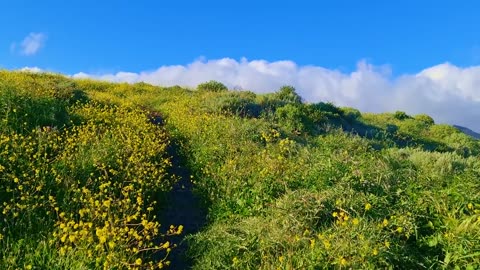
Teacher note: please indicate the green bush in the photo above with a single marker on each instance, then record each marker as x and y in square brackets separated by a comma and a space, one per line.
[426, 119]
[212, 86]
[235, 103]
[391, 128]
[291, 117]
[351, 114]
[401, 115]
[329, 108]
[288, 94]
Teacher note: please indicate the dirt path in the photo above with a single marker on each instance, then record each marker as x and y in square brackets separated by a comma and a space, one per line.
[182, 207]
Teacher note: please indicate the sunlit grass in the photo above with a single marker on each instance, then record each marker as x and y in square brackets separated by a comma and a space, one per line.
[287, 185]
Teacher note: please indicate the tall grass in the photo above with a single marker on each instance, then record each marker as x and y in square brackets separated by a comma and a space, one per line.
[287, 185]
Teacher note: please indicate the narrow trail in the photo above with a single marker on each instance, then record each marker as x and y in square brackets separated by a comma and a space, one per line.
[182, 207]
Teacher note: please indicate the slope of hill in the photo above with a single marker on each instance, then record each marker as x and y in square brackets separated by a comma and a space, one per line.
[468, 131]
[284, 184]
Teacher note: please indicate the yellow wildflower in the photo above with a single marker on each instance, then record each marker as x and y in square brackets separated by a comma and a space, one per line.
[72, 238]
[368, 206]
[180, 229]
[385, 222]
[166, 245]
[107, 203]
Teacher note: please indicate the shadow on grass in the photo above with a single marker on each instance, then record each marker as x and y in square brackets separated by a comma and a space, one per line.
[180, 206]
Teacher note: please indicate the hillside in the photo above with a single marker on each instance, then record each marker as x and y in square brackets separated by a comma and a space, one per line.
[103, 175]
[468, 131]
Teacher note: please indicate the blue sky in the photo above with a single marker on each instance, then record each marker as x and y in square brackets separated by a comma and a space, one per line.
[96, 36]
[415, 56]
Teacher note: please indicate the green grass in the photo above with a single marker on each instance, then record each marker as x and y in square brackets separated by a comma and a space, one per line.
[286, 185]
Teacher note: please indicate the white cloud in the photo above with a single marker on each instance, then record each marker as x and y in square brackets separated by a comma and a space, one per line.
[32, 69]
[448, 93]
[31, 44]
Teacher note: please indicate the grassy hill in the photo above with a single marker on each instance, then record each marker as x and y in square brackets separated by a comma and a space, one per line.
[93, 174]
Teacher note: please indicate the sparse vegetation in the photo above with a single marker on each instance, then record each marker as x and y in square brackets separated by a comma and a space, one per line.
[286, 184]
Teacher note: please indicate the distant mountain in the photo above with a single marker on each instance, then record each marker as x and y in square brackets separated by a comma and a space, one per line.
[468, 131]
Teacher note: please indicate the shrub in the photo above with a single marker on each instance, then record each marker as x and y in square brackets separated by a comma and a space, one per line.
[291, 117]
[329, 107]
[287, 94]
[426, 119]
[392, 128]
[237, 103]
[401, 115]
[212, 86]
[351, 114]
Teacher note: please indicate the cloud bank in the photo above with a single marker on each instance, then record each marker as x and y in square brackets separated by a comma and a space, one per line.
[31, 44]
[448, 93]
